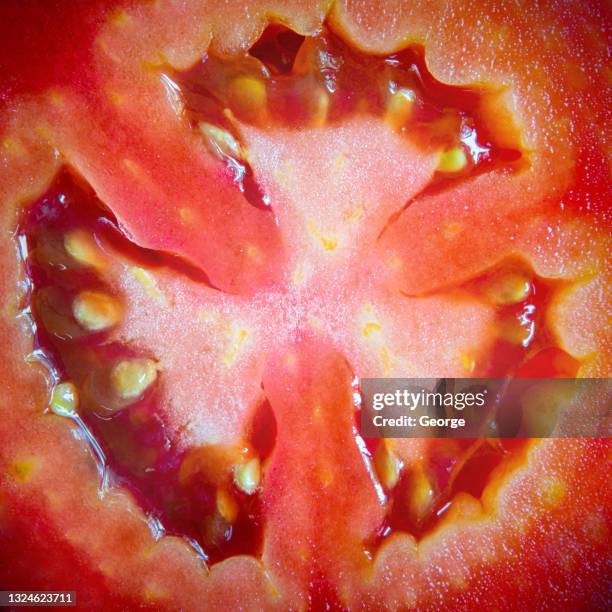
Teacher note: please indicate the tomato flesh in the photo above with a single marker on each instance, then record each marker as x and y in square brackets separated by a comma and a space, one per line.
[326, 554]
[138, 445]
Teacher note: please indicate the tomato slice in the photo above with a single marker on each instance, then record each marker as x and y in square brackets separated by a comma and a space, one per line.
[220, 228]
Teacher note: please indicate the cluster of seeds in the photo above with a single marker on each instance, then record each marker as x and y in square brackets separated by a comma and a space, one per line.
[208, 494]
[419, 493]
[294, 82]
[422, 491]
[526, 347]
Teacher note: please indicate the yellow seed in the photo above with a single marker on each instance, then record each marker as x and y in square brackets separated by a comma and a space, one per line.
[220, 140]
[81, 246]
[420, 495]
[509, 288]
[320, 109]
[227, 506]
[399, 108]
[452, 160]
[248, 97]
[130, 378]
[96, 311]
[64, 399]
[248, 476]
[388, 465]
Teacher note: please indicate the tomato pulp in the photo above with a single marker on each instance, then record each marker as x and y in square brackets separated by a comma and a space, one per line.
[217, 242]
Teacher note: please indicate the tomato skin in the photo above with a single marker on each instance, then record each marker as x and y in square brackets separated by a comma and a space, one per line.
[539, 540]
[45, 44]
[28, 543]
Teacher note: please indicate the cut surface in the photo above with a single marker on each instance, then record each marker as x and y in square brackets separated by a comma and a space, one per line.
[215, 276]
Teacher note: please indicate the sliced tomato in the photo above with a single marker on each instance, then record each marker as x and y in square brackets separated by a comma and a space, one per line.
[470, 237]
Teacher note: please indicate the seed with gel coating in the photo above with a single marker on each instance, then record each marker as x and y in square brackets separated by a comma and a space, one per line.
[221, 140]
[81, 246]
[248, 97]
[320, 109]
[227, 506]
[248, 476]
[452, 160]
[388, 465]
[420, 495]
[399, 108]
[64, 399]
[510, 288]
[96, 311]
[130, 378]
